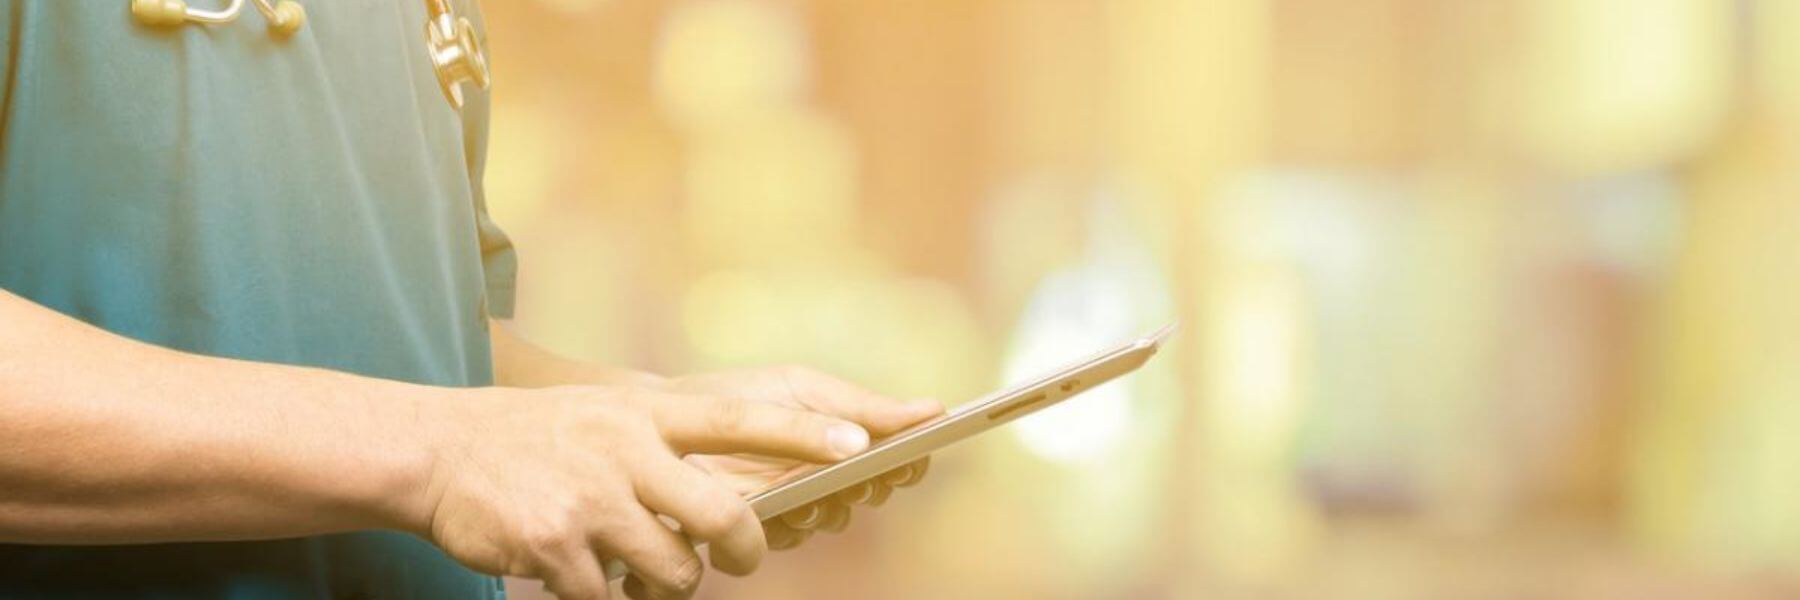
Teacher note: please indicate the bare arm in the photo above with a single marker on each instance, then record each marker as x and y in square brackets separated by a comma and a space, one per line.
[106, 440]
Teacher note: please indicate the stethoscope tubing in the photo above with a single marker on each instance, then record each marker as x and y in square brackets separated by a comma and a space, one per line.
[452, 42]
[217, 17]
[229, 13]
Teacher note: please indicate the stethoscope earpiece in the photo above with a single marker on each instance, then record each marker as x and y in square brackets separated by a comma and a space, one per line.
[285, 17]
[453, 45]
[160, 13]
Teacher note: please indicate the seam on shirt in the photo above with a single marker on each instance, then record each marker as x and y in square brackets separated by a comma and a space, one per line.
[16, 40]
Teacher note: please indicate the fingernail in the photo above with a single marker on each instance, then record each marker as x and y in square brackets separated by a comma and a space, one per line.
[837, 516]
[847, 440]
[804, 517]
[903, 476]
[857, 494]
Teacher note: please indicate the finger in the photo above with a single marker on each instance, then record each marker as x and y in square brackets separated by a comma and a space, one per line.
[837, 517]
[882, 415]
[907, 475]
[879, 496]
[635, 589]
[798, 537]
[575, 575]
[714, 425]
[657, 555]
[873, 492]
[707, 511]
[746, 473]
[856, 494]
[805, 517]
[780, 535]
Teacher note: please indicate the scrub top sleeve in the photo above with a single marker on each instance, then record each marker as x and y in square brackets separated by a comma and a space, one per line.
[9, 54]
[498, 260]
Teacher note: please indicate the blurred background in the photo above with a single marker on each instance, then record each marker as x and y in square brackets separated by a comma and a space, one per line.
[1479, 299]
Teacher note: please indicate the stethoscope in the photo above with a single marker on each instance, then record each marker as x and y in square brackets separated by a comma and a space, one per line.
[451, 42]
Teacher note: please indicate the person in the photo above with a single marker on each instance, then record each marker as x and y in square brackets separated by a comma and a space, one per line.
[254, 340]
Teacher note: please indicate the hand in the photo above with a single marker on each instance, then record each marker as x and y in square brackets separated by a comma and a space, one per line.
[549, 483]
[805, 389]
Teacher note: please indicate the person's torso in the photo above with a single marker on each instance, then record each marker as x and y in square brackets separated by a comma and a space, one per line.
[219, 190]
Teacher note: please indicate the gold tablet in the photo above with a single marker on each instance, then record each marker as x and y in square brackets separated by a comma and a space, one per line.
[967, 420]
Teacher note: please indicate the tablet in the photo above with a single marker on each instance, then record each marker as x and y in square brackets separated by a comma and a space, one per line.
[967, 420]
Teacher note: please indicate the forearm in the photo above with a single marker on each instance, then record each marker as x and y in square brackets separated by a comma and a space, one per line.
[520, 363]
[105, 440]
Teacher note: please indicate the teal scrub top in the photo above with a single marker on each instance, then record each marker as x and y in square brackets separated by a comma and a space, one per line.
[311, 200]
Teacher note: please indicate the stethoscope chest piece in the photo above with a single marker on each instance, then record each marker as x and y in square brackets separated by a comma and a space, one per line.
[456, 53]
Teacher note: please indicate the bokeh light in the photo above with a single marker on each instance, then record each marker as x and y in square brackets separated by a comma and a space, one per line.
[1477, 299]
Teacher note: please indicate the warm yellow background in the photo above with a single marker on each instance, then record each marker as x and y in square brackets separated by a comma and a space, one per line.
[1480, 299]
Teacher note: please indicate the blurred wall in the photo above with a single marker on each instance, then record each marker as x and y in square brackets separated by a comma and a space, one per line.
[1485, 298]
